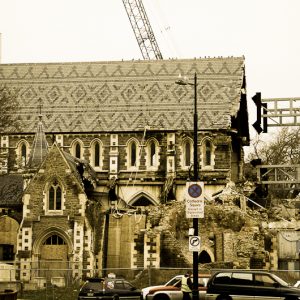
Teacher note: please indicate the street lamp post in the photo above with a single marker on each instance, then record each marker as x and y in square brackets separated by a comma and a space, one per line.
[196, 175]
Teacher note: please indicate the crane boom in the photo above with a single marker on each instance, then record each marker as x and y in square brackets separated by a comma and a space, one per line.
[142, 29]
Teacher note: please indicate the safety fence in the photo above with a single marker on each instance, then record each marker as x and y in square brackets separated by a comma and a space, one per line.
[54, 283]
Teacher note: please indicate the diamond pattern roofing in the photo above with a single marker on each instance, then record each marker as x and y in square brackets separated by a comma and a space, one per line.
[125, 95]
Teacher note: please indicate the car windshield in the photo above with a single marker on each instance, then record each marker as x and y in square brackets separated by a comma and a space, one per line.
[279, 280]
[173, 281]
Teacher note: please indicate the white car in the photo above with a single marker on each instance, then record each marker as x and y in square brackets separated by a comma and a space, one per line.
[297, 284]
[171, 290]
[171, 282]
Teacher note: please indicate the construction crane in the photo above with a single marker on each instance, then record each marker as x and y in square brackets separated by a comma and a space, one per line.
[142, 29]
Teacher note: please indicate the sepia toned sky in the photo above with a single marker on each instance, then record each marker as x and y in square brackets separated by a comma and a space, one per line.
[266, 32]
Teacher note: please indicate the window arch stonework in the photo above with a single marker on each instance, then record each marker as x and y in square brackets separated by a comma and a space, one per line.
[152, 155]
[53, 198]
[23, 153]
[207, 156]
[187, 152]
[143, 199]
[52, 231]
[133, 155]
[77, 149]
[96, 154]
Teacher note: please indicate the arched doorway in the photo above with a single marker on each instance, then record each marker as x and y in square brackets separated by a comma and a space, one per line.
[204, 258]
[53, 256]
[142, 199]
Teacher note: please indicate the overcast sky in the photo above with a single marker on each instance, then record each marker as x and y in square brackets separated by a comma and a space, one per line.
[266, 32]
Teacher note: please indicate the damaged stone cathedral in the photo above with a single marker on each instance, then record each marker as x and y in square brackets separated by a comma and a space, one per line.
[95, 176]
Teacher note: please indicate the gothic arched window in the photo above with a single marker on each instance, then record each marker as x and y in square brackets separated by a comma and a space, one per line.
[96, 154]
[54, 240]
[207, 154]
[187, 153]
[152, 154]
[54, 197]
[24, 154]
[132, 154]
[77, 150]
[152, 157]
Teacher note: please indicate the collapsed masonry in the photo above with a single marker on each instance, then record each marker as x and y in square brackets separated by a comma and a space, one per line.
[233, 234]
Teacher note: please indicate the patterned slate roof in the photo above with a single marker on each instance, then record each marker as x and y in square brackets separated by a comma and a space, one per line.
[125, 95]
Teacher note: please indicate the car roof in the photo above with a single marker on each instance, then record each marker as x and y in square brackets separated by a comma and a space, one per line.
[100, 279]
[202, 275]
[95, 279]
[243, 271]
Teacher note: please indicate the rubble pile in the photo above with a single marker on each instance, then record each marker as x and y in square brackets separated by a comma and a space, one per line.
[235, 229]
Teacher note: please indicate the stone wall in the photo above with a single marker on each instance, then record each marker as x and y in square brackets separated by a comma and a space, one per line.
[222, 155]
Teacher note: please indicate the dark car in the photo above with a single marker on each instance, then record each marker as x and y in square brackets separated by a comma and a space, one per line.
[108, 289]
[235, 284]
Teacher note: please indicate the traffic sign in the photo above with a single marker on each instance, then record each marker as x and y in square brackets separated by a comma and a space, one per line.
[194, 243]
[194, 200]
[195, 190]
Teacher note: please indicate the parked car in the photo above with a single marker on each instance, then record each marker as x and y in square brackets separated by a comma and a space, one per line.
[236, 284]
[171, 289]
[171, 282]
[108, 288]
[297, 284]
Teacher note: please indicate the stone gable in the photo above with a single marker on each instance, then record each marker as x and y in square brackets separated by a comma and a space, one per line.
[56, 167]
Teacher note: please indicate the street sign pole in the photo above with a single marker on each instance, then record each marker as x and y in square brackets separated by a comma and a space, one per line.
[195, 220]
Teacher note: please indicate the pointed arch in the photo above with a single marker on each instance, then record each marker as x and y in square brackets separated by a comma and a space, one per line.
[96, 154]
[142, 199]
[152, 154]
[133, 154]
[206, 255]
[207, 153]
[53, 249]
[187, 152]
[77, 148]
[47, 233]
[54, 197]
[23, 152]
